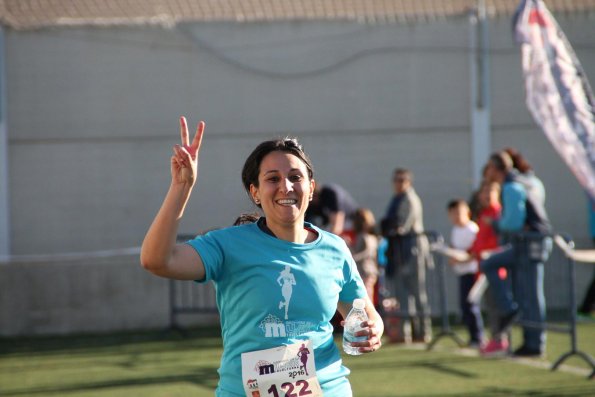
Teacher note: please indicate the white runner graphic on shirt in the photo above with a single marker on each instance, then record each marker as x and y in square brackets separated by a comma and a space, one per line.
[286, 280]
[278, 325]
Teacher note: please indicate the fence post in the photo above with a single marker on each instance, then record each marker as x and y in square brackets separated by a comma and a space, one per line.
[573, 337]
[445, 330]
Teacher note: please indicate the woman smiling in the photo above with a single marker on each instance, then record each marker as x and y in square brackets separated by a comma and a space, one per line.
[279, 280]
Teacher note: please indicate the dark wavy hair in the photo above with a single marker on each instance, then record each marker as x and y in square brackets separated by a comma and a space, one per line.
[518, 160]
[251, 167]
[502, 161]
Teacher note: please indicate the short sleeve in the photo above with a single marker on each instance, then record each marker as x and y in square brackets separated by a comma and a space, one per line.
[211, 252]
[354, 286]
[464, 237]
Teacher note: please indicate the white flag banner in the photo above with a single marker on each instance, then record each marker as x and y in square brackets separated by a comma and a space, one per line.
[558, 94]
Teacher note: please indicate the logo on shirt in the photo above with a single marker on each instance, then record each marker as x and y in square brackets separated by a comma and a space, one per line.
[298, 363]
[278, 325]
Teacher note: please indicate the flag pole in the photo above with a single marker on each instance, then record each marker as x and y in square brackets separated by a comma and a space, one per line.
[480, 90]
[4, 178]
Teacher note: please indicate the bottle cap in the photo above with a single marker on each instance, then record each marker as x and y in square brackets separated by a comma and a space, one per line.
[359, 303]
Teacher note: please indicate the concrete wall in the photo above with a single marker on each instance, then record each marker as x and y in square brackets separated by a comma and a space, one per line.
[97, 295]
[92, 116]
[90, 296]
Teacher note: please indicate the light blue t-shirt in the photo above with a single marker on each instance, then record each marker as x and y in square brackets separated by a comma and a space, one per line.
[514, 211]
[272, 292]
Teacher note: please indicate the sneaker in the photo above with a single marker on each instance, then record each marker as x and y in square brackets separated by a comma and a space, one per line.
[525, 351]
[506, 322]
[494, 348]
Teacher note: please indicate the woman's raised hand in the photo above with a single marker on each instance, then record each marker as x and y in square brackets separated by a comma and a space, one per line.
[184, 162]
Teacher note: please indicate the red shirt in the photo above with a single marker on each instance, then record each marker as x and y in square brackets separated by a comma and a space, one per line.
[487, 238]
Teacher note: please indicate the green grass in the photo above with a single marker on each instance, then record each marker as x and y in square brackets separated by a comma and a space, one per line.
[155, 364]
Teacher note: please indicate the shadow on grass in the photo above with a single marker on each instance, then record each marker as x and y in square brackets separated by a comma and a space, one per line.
[442, 365]
[548, 392]
[576, 391]
[507, 392]
[209, 337]
[205, 377]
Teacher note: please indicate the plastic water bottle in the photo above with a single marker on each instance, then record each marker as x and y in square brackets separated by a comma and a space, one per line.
[353, 323]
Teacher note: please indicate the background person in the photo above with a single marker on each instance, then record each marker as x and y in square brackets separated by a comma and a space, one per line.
[462, 237]
[245, 262]
[524, 227]
[332, 208]
[408, 254]
[365, 249]
[485, 241]
[526, 175]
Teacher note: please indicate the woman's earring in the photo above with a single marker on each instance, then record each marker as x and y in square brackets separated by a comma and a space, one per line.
[256, 201]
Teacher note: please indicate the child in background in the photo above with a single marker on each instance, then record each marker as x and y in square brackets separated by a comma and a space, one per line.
[365, 249]
[462, 237]
[486, 240]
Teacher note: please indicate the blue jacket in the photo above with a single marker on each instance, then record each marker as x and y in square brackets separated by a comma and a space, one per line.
[523, 208]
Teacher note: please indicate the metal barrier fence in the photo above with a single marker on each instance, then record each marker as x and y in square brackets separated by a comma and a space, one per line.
[189, 298]
[572, 314]
[435, 279]
[522, 277]
[440, 281]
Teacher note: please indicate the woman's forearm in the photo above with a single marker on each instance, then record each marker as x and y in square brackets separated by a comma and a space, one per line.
[160, 240]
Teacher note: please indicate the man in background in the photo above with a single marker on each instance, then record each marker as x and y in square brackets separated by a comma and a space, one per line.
[407, 257]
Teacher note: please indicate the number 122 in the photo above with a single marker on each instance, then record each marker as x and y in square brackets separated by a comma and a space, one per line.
[289, 387]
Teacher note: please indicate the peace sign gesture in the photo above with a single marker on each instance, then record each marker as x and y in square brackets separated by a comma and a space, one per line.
[184, 162]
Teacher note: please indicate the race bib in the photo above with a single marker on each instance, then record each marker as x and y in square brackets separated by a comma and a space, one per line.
[284, 371]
